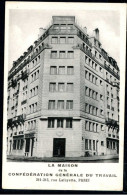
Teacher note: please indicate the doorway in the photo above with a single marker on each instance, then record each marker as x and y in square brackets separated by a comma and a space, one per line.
[59, 147]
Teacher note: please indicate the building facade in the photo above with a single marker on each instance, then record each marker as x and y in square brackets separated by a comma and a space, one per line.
[63, 95]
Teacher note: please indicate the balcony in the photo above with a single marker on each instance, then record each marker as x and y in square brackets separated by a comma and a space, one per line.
[24, 102]
[25, 74]
[108, 106]
[112, 123]
[16, 120]
[115, 84]
[88, 52]
[111, 71]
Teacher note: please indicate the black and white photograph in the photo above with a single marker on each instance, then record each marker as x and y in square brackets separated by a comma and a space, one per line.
[64, 95]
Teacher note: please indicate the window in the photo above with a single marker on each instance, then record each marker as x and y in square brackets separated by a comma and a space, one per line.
[101, 97]
[52, 87]
[102, 143]
[70, 54]
[90, 148]
[62, 54]
[53, 70]
[87, 91]
[69, 105]
[61, 104]
[96, 53]
[70, 26]
[61, 69]
[56, 26]
[93, 144]
[54, 40]
[51, 123]
[102, 128]
[59, 123]
[68, 123]
[51, 105]
[69, 87]
[53, 54]
[61, 87]
[101, 83]
[101, 69]
[70, 40]
[62, 40]
[63, 27]
[101, 112]
[86, 144]
[70, 70]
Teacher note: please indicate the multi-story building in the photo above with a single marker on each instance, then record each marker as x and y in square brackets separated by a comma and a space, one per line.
[63, 95]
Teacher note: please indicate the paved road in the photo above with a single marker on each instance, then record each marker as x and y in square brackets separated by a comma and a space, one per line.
[87, 161]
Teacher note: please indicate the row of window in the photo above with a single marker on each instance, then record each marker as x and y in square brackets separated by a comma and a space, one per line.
[34, 91]
[93, 110]
[33, 108]
[36, 61]
[111, 145]
[60, 104]
[91, 126]
[31, 124]
[59, 123]
[61, 70]
[61, 87]
[63, 26]
[62, 40]
[62, 54]
[18, 144]
[34, 76]
[92, 78]
[90, 62]
[90, 144]
[91, 93]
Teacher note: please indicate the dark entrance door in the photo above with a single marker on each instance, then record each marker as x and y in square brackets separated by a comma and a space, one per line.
[59, 147]
[27, 145]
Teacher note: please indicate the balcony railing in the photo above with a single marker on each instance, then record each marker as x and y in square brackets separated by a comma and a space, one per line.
[88, 52]
[111, 71]
[25, 74]
[112, 123]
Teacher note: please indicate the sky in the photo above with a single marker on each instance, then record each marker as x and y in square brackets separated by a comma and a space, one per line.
[24, 27]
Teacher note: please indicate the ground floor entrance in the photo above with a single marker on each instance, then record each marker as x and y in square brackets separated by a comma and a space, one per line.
[59, 147]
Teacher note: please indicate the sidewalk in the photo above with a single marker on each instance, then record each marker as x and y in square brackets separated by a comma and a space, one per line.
[61, 159]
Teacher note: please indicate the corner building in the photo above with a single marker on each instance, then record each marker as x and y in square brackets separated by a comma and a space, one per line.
[63, 95]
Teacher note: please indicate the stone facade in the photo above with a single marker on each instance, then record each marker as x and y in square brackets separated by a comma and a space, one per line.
[63, 96]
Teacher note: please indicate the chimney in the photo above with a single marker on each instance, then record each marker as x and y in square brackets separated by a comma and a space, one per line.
[85, 30]
[41, 31]
[96, 33]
